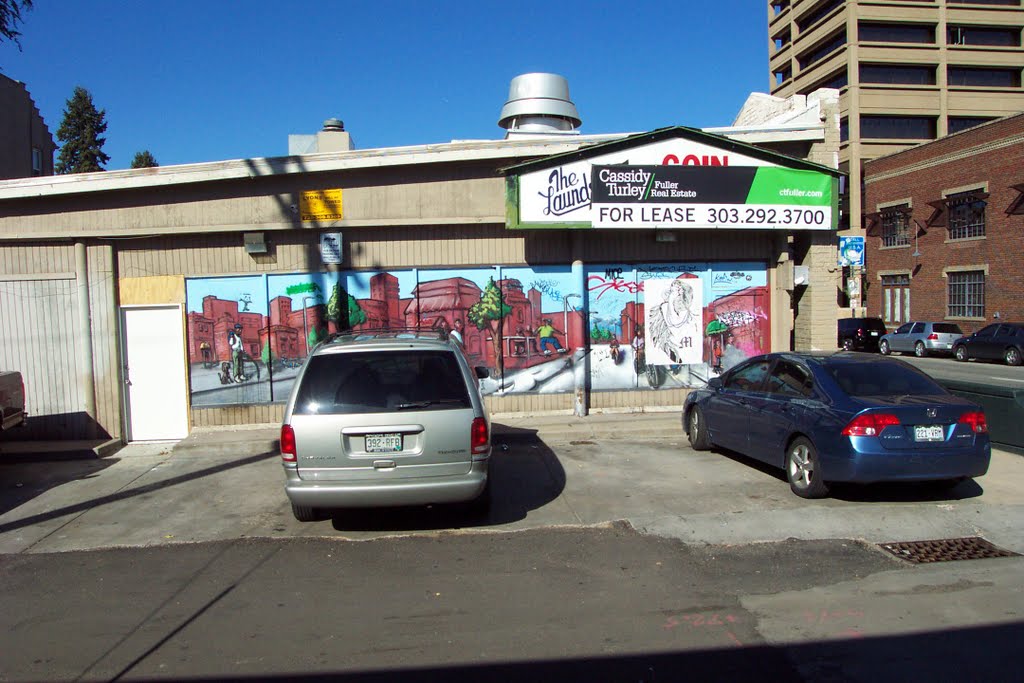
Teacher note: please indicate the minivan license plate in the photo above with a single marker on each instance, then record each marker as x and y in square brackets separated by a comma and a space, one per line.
[383, 443]
[928, 433]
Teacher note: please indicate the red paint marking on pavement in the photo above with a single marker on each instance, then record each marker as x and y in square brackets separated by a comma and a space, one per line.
[733, 638]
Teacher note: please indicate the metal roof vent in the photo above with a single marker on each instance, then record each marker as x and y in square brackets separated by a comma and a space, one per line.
[334, 124]
[539, 103]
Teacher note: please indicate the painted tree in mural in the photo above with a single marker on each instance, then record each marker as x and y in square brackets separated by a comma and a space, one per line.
[343, 309]
[489, 314]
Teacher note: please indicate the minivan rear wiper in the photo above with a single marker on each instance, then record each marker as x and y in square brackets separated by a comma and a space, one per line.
[426, 404]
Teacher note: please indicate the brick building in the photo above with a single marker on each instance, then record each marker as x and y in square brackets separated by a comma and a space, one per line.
[944, 226]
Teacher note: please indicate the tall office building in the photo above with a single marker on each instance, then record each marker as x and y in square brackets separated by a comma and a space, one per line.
[908, 71]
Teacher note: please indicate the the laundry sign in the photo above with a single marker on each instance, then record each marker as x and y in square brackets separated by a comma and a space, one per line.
[566, 191]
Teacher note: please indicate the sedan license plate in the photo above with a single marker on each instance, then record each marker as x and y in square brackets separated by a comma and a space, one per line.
[929, 433]
[383, 443]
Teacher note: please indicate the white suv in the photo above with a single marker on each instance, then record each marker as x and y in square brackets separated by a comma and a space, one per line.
[385, 418]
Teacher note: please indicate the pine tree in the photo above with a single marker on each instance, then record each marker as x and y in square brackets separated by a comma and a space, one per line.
[144, 159]
[10, 17]
[80, 132]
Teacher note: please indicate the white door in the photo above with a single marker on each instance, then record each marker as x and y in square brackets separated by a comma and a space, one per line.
[156, 393]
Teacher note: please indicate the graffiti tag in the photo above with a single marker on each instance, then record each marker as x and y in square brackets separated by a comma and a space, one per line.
[596, 283]
[547, 287]
[738, 318]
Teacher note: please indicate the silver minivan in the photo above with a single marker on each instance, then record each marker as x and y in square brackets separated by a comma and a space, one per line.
[385, 418]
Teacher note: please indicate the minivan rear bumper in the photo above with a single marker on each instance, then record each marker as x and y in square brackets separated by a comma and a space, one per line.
[382, 493]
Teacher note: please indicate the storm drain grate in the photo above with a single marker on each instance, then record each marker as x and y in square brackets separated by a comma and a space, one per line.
[946, 550]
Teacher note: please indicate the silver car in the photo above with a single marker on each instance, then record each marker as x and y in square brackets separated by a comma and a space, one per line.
[921, 339]
[383, 419]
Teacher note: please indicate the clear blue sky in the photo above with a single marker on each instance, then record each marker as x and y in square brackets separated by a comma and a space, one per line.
[205, 81]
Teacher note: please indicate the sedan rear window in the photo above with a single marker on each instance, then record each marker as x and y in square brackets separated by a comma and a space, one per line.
[379, 381]
[872, 379]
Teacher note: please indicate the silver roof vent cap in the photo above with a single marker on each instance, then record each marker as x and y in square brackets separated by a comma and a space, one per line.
[539, 101]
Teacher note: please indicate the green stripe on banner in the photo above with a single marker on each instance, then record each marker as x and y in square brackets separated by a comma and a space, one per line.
[790, 186]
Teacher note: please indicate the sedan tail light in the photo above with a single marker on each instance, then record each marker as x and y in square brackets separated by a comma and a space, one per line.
[870, 424]
[288, 453]
[479, 439]
[976, 420]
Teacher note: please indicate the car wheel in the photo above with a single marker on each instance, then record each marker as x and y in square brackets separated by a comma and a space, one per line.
[883, 347]
[698, 431]
[304, 513]
[960, 353]
[803, 470]
[1012, 356]
[919, 350]
[847, 345]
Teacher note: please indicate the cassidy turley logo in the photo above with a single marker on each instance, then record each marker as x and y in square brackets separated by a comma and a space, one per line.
[566, 192]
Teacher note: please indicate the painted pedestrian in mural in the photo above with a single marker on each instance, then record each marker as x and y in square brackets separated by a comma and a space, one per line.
[456, 332]
[235, 344]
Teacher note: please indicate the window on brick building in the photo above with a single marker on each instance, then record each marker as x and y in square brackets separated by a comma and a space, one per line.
[966, 215]
[966, 294]
[895, 226]
[896, 298]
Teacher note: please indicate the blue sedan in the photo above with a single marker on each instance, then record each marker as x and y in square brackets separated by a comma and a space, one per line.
[840, 417]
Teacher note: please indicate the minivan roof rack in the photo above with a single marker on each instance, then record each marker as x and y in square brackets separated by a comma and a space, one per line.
[388, 333]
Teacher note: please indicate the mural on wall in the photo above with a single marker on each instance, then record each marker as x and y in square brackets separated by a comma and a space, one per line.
[532, 327]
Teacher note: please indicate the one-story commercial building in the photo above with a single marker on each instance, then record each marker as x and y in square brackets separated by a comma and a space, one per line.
[122, 292]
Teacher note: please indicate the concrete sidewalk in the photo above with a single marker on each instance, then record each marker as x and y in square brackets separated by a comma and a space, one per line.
[647, 426]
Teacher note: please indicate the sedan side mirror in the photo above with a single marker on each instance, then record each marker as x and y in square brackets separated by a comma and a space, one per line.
[715, 383]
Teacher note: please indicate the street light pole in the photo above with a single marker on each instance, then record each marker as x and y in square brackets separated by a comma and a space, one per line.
[565, 315]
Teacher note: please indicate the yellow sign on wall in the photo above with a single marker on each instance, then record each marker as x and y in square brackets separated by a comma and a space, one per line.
[320, 205]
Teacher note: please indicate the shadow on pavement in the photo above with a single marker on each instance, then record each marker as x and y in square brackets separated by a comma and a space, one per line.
[525, 477]
[23, 476]
[85, 505]
[983, 653]
[882, 492]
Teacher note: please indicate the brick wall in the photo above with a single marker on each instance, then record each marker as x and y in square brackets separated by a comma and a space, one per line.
[990, 157]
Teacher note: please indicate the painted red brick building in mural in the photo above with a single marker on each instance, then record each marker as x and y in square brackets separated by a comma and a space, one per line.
[944, 224]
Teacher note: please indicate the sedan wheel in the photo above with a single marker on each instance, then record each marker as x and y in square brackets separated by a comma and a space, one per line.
[804, 471]
[883, 347]
[1012, 356]
[960, 353]
[919, 350]
[698, 432]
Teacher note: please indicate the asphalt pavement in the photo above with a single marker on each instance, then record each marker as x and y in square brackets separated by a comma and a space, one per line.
[612, 551]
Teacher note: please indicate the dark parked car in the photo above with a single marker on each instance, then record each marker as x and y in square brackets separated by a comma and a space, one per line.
[860, 334]
[920, 338]
[999, 341]
[840, 417]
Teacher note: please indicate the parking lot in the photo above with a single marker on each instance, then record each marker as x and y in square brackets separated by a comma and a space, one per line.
[548, 471]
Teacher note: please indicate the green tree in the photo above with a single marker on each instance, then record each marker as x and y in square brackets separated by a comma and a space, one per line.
[10, 17]
[80, 131]
[344, 310]
[489, 313]
[315, 337]
[144, 159]
[267, 356]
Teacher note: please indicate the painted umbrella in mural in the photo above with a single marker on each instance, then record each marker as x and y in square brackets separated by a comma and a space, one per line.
[715, 334]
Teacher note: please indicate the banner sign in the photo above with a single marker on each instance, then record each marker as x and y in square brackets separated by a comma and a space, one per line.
[742, 197]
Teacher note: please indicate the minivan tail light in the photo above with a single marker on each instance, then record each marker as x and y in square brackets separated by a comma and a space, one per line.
[479, 439]
[870, 424]
[976, 420]
[288, 453]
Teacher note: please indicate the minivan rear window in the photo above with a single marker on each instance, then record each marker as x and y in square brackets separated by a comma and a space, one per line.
[872, 379]
[946, 328]
[381, 381]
